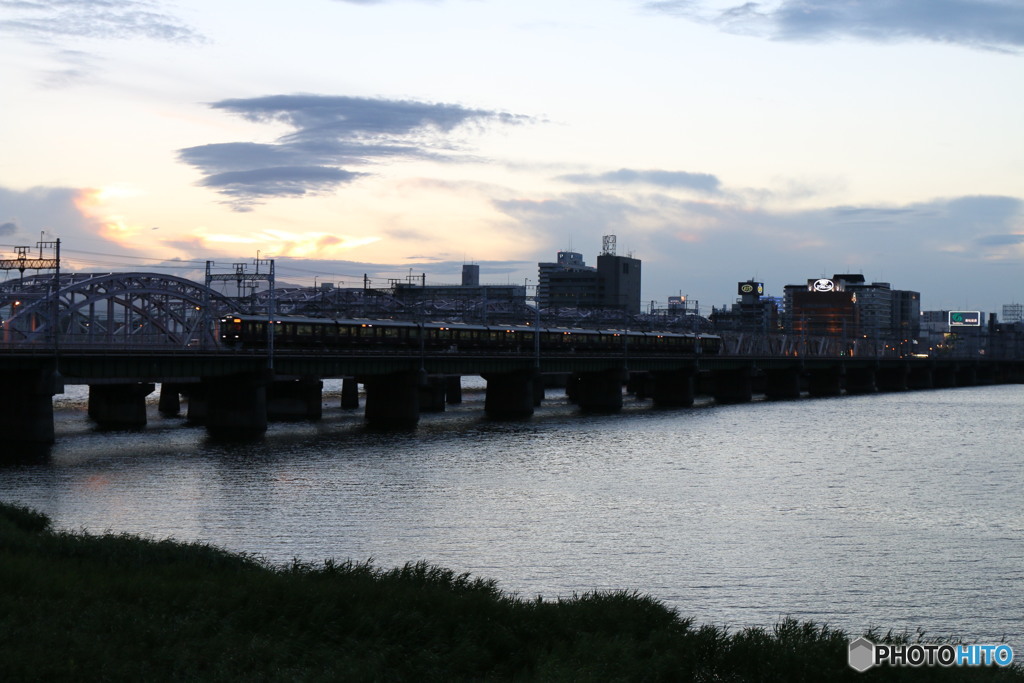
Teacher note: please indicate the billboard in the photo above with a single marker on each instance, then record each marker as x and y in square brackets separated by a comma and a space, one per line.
[824, 284]
[965, 318]
[750, 288]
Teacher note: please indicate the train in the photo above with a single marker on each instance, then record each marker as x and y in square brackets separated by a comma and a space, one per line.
[241, 331]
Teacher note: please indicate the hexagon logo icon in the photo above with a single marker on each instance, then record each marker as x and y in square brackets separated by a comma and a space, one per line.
[862, 654]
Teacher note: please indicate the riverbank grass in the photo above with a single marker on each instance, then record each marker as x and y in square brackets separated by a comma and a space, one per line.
[76, 606]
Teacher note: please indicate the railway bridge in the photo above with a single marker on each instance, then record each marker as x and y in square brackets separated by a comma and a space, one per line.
[122, 334]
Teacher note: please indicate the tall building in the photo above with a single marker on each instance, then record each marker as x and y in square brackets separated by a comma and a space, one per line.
[567, 283]
[1013, 313]
[570, 283]
[822, 307]
[846, 305]
[752, 312]
[906, 314]
[619, 282]
[874, 303]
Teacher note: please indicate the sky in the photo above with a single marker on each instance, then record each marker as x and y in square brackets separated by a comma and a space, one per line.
[718, 140]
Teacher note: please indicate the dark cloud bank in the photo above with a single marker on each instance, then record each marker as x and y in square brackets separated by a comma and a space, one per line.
[329, 135]
[990, 24]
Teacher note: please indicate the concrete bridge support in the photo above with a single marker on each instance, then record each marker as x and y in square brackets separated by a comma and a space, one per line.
[26, 406]
[860, 381]
[823, 382]
[640, 385]
[392, 401]
[349, 393]
[672, 389]
[944, 376]
[572, 387]
[170, 399]
[733, 386]
[235, 405]
[198, 403]
[920, 377]
[894, 378]
[453, 390]
[119, 406]
[782, 383]
[967, 376]
[432, 395]
[298, 399]
[510, 395]
[600, 392]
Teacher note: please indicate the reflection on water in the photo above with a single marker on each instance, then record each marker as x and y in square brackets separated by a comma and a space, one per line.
[898, 510]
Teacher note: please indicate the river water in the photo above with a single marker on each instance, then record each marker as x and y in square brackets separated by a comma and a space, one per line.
[898, 511]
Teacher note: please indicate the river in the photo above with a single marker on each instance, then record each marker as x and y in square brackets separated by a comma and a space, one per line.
[899, 510]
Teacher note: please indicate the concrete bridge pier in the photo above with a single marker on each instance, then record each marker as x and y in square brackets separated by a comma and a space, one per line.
[944, 377]
[453, 390]
[539, 393]
[432, 395]
[572, 387]
[393, 400]
[967, 376]
[26, 406]
[640, 385]
[894, 378]
[601, 391]
[860, 381]
[349, 393]
[510, 395]
[198, 403]
[170, 399]
[672, 388]
[782, 383]
[920, 377]
[295, 399]
[235, 405]
[822, 382]
[119, 406]
[733, 385]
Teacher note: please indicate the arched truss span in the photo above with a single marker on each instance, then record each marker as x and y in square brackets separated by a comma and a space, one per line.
[118, 309]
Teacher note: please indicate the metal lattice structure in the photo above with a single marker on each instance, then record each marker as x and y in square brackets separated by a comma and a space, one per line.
[110, 309]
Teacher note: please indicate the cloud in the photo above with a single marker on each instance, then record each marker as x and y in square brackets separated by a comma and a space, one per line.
[990, 24]
[378, 2]
[279, 181]
[327, 132]
[27, 213]
[108, 19]
[949, 249]
[702, 182]
[1000, 240]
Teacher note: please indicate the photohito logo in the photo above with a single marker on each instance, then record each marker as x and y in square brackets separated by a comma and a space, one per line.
[865, 654]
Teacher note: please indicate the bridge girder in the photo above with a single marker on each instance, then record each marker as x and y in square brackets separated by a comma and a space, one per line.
[110, 308]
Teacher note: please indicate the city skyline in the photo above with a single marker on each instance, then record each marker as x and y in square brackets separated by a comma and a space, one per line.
[720, 141]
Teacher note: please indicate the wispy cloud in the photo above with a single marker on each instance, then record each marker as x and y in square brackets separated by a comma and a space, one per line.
[327, 133]
[106, 19]
[702, 182]
[989, 24]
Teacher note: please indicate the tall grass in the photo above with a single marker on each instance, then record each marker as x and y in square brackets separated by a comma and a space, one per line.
[115, 607]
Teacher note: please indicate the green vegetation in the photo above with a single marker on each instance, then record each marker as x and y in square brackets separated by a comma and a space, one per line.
[112, 607]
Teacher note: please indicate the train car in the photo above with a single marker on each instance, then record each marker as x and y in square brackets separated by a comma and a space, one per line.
[296, 332]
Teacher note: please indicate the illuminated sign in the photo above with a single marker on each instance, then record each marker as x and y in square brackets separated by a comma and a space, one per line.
[822, 285]
[965, 318]
[751, 288]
